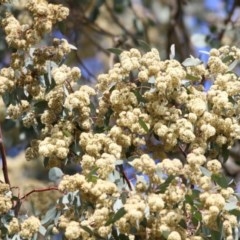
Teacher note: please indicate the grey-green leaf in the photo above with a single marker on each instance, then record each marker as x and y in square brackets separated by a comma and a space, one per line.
[120, 213]
[116, 51]
[143, 124]
[190, 62]
[55, 174]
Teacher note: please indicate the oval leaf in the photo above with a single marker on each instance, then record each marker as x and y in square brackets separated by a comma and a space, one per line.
[55, 174]
[120, 213]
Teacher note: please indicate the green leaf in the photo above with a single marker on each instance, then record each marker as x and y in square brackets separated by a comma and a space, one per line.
[8, 124]
[139, 97]
[119, 5]
[55, 174]
[88, 230]
[235, 212]
[40, 106]
[189, 199]
[216, 235]
[225, 152]
[92, 177]
[183, 223]
[220, 180]
[120, 213]
[164, 186]
[145, 46]
[143, 124]
[227, 59]
[45, 161]
[107, 118]
[116, 51]
[123, 237]
[191, 77]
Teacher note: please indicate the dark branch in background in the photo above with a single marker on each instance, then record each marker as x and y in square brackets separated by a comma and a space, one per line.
[94, 42]
[228, 20]
[116, 20]
[4, 159]
[85, 68]
[177, 32]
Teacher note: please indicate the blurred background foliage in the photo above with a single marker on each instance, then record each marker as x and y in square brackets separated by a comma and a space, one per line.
[98, 28]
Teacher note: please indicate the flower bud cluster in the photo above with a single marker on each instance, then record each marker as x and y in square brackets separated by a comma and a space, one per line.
[5, 198]
[64, 73]
[79, 101]
[56, 145]
[95, 144]
[44, 15]
[29, 227]
[102, 193]
[15, 111]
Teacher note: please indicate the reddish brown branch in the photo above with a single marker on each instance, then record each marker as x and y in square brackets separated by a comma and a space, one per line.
[4, 159]
[39, 190]
[125, 177]
[20, 199]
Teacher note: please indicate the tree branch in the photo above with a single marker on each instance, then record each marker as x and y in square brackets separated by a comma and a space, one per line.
[4, 159]
[39, 190]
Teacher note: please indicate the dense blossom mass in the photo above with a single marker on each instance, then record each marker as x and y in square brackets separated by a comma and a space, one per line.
[149, 114]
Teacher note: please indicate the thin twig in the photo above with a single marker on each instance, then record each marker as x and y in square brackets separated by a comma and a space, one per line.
[20, 199]
[125, 177]
[4, 159]
[39, 190]
[116, 20]
[227, 20]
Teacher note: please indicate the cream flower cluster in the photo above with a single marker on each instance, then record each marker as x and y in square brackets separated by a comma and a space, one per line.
[94, 144]
[130, 119]
[14, 226]
[146, 108]
[64, 73]
[55, 99]
[197, 71]
[145, 165]
[80, 102]
[149, 65]
[135, 207]
[5, 198]
[105, 164]
[14, 111]
[214, 205]
[130, 60]
[29, 227]
[6, 79]
[56, 145]
[54, 53]
[44, 16]
[120, 136]
[123, 99]
[170, 166]
[102, 192]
